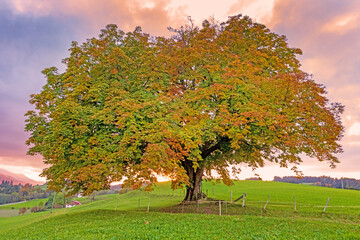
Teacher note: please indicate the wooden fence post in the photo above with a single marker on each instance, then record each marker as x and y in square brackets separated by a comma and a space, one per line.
[266, 202]
[225, 207]
[243, 203]
[52, 205]
[326, 204]
[148, 208]
[220, 207]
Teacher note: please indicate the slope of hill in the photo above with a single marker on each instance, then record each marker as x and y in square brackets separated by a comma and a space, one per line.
[99, 220]
[16, 178]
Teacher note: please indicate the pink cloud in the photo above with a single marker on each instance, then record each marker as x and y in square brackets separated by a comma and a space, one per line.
[153, 16]
[259, 10]
[329, 35]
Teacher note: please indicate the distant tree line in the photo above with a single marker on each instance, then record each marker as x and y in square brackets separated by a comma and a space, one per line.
[253, 179]
[10, 192]
[324, 181]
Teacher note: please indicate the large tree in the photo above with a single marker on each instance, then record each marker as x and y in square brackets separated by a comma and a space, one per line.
[132, 106]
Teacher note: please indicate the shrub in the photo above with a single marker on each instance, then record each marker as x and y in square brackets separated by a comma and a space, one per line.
[22, 210]
[58, 205]
[35, 209]
[124, 190]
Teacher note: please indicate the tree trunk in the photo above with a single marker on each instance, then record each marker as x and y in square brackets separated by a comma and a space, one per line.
[193, 190]
[195, 176]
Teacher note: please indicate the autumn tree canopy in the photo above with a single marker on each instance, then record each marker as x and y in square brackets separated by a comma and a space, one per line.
[133, 106]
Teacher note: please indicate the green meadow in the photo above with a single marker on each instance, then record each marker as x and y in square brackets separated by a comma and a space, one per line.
[27, 204]
[125, 216]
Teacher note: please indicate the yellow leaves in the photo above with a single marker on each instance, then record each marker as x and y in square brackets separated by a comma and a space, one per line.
[92, 141]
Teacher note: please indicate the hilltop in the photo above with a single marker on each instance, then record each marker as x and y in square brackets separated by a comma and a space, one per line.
[16, 178]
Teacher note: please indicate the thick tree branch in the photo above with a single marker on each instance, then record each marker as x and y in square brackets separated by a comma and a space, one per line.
[207, 151]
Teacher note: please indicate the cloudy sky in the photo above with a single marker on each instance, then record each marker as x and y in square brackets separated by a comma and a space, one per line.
[35, 34]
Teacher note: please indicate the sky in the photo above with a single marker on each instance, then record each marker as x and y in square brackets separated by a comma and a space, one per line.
[36, 34]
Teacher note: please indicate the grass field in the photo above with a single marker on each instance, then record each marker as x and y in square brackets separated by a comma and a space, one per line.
[108, 224]
[99, 220]
[30, 204]
[8, 213]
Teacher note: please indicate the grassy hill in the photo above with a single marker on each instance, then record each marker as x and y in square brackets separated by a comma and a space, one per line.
[99, 220]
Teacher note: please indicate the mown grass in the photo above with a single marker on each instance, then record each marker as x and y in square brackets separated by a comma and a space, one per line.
[108, 224]
[30, 204]
[12, 210]
[284, 193]
[99, 220]
[310, 200]
[129, 201]
[9, 223]
[8, 213]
